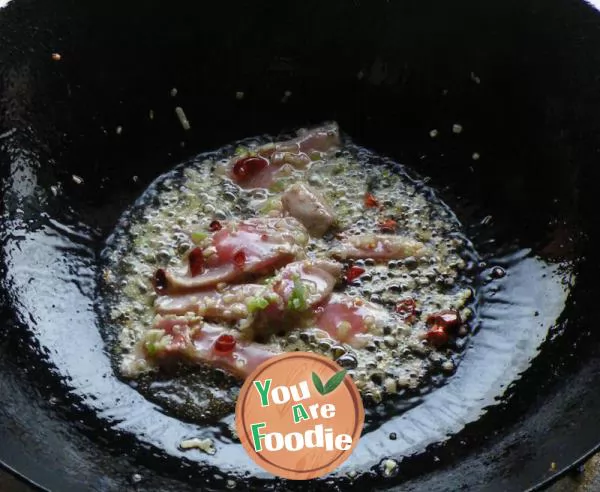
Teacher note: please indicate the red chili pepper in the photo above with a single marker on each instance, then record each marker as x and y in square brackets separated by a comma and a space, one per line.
[437, 336]
[239, 258]
[448, 318]
[196, 260]
[215, 226]
[160, 281]
[224, 344]
[388, 225]
[353, 273]
[371, 201]
[248, 167]
[407, 307]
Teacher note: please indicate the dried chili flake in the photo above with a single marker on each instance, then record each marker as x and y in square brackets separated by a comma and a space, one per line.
[215, 226]
[371, 201]
[239, 258]
[388, 225]
[224, 344]
[196, 261]
[353, 273]
[160, 281]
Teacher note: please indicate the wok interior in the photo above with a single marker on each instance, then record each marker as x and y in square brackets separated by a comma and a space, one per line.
[388, 73]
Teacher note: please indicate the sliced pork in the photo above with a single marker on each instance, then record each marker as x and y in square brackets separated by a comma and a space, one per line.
[379, 247]
[227, 304]
[321, 139]
[309, 207]
[254, 247]
[259, 169]
[303, 285]
[296, 290]
[348, 319]
[176, 338]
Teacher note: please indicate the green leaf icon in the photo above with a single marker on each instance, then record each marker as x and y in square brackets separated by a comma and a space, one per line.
[318, 383]
[335, 381]
[330, 385]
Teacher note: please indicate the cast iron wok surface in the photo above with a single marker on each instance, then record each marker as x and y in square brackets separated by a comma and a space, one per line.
[521, 77]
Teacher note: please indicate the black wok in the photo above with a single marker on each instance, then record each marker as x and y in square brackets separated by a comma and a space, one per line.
[77, 83]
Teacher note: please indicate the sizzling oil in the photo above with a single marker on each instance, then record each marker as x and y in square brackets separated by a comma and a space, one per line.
[397, 361]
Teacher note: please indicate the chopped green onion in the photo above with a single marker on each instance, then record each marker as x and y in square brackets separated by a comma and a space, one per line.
[277, 186]
[268, 281]
[257, 304]
[297, 301]
[151, 348]
[240, 150]
[272, 298]
[315, 155]
[338, 169]
[270, 204]
[198, 237]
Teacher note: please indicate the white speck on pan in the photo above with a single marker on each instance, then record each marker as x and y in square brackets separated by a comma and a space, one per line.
[7, 133]
[476, 156]
[475, 78]
[174, 92]
[486, 220]
[456, 128]
[286, 96]
[389, 467]
[182, 118]
[119, 130]
[77, 179]
[151, 114]
[433, 133]
[239, 95]
[205, 445]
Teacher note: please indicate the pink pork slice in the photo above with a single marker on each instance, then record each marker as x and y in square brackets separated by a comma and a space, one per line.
[227, 304]
[295, 153]
[252, 247]
[300, 287]
[197, 343]
[309, 207]
[321, 139]
[317, 278]
[379, 247]
[347, 319]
